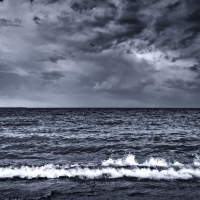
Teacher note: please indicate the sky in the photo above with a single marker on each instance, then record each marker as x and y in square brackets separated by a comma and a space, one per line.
[146, 53]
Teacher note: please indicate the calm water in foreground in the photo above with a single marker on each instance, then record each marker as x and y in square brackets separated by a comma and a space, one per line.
[99, 154]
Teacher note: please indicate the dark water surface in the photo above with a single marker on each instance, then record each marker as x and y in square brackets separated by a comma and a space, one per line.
[99, 153]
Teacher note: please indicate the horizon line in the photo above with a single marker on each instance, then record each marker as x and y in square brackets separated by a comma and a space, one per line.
[100, 107]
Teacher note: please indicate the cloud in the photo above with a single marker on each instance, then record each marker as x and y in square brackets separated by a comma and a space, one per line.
[173, 6]
[9, 22]
[195, 68]
[53, 75]
[161, 24]
[36, 20]
[54, 58]
[182, 84]
[146, 52]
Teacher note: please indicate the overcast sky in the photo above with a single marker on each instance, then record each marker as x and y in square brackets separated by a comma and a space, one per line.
[146, 53]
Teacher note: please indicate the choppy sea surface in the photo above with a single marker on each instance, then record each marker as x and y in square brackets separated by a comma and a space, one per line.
[99, 154]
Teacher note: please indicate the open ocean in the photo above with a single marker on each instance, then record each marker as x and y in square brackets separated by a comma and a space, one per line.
[99, 154]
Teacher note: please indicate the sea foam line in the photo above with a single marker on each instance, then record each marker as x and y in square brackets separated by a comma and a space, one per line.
[110, 168]
[51, 171]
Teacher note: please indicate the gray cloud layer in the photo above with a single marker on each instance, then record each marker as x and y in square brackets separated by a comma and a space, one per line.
[146, 53]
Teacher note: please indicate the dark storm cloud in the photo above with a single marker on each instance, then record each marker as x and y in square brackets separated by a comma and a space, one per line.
[145, 51]
[173, 6]
[132, 21]
[133, 25]
[36, 20]
[181, 84]
[54, 58]
[161, 24]
[48, 57]
[187, 41]
[82, 6]
[184, 21]
[52, 1]
[130, 24]
[10, 22]
[195, 68]
[67, 24]
[53, 75]
[194, 16]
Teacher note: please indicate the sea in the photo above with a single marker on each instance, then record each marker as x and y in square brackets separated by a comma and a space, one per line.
[99, 153]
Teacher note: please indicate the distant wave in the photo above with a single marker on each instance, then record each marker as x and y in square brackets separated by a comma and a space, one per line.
[153, 168]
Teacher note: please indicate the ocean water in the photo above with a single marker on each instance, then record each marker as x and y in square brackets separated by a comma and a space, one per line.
[99, 154]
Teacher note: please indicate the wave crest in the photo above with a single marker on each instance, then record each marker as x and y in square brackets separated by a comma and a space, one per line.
[130, 160]
[128, 166]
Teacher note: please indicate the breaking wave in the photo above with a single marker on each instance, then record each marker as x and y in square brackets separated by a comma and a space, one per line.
[153, 168]
[130, 160]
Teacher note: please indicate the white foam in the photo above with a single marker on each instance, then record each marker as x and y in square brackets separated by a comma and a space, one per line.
[177, 164]
[153, 162]
[197, 160]
[110, 168]
[51, 171]
[130, 160]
